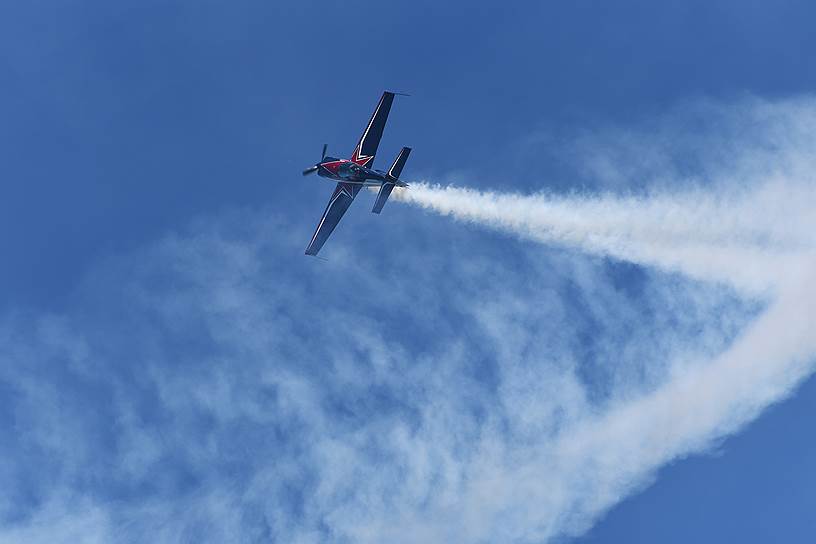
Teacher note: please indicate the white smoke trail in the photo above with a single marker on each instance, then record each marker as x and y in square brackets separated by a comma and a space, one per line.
[747, 240]
[760, 239]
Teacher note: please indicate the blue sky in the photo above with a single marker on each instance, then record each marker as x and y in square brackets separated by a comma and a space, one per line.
[172, 365]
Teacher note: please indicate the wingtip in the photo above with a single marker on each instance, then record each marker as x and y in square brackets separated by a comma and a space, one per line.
[316, 256]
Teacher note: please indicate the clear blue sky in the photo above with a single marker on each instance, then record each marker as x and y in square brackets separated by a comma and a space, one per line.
[132, 131]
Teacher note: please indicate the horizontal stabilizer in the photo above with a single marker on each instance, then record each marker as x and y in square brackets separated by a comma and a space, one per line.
[399, 163]
[382, 196]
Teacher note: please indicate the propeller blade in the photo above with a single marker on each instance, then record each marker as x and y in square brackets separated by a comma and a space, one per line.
[310, 170]
[323, 156]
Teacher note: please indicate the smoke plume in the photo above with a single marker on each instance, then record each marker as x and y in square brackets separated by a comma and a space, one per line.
[755, 236]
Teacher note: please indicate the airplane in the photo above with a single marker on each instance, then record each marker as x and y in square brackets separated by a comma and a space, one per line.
[355, 173]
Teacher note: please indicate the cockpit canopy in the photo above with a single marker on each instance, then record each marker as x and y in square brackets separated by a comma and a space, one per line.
[349, 170]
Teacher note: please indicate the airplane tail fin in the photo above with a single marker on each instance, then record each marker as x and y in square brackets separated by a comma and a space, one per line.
[393, 173]
[399, 163]
[382, 196]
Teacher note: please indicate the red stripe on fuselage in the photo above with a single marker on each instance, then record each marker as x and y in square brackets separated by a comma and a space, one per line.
[334, 165]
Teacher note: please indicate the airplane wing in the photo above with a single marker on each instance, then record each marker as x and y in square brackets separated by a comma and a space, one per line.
[341, 199]
[367, 146]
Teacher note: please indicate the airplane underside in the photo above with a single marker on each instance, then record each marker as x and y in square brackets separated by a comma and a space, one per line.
[353, 174]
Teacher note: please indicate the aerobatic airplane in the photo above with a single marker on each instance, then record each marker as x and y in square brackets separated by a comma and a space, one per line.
[355, 173]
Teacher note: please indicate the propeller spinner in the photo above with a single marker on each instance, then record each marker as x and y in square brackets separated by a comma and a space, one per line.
[313, 169]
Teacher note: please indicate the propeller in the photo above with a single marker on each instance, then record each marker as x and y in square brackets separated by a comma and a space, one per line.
[313, 169]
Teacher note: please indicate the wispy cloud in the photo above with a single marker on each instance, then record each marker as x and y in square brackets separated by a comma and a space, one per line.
[213, 387]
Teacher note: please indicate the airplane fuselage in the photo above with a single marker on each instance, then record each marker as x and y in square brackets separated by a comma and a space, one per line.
[349, 171]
